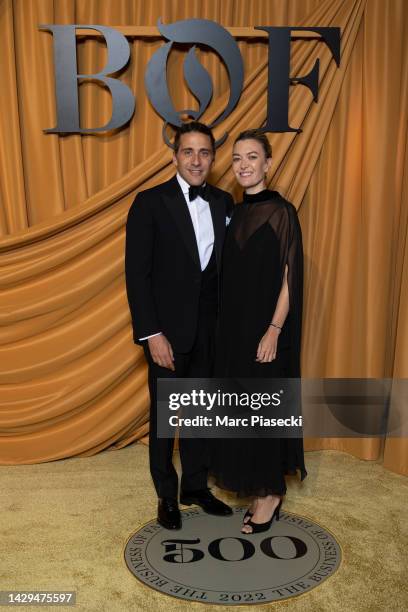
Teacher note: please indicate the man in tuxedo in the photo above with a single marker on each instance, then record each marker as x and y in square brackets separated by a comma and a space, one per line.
[174, 237]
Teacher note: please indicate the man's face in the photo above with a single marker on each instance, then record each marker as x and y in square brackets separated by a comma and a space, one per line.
[194, 157]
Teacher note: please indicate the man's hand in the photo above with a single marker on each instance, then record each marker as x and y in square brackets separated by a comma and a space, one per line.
[161, 351]
[268, 346]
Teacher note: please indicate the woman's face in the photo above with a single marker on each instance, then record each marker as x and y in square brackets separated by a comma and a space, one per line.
[249, 164]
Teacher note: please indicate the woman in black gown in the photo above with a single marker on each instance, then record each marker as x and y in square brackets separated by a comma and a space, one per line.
[260, 327]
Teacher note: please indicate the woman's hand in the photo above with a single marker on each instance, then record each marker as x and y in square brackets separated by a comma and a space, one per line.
[268, 346]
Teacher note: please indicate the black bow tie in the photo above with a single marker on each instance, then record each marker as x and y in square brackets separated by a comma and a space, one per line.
[197, 190]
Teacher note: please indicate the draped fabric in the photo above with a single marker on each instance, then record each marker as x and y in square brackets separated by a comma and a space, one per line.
[71, 380]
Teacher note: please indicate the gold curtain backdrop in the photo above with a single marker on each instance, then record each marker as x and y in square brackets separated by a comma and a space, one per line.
[71, 380]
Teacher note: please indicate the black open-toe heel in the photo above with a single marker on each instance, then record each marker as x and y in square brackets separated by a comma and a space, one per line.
[247, 513]
[260, 527]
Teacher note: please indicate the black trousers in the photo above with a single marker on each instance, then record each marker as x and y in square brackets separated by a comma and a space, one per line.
[194, 453]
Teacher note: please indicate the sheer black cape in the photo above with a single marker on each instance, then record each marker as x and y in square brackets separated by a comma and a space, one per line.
[264, 237]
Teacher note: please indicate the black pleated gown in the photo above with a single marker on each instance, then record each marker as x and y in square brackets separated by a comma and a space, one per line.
[263, 237]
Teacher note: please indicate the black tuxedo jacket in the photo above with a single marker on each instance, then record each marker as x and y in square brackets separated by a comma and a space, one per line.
[162, 264]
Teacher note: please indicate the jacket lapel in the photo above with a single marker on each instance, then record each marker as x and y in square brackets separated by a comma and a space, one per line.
[176, 205]
[218, 218]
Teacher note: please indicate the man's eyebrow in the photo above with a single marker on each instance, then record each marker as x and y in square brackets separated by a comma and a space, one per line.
[191, 149]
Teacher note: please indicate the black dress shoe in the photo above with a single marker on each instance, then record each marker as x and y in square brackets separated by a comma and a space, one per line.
[168, 513]
[206, 500]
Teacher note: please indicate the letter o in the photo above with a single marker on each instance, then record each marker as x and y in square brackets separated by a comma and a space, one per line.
[267, 548]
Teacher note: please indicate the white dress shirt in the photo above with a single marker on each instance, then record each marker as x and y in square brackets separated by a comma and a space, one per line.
[201, 219]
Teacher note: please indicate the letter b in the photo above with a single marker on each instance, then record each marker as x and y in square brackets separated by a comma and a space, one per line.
[67, 78]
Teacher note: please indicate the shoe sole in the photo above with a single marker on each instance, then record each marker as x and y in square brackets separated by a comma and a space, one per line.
[167, 527]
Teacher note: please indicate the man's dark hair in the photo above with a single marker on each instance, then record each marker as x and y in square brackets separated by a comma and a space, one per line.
[193, 126]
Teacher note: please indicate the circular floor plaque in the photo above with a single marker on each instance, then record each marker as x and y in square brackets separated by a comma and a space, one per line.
[211, 561]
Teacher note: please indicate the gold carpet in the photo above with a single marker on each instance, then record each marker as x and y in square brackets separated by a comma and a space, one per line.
[64, 526]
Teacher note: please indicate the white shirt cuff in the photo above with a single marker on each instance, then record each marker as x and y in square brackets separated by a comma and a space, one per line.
[151, 336]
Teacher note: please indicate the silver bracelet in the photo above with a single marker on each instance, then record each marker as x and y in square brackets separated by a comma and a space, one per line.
[277, 326]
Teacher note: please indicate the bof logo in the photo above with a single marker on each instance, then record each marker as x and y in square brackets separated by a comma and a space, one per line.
[188, 31]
